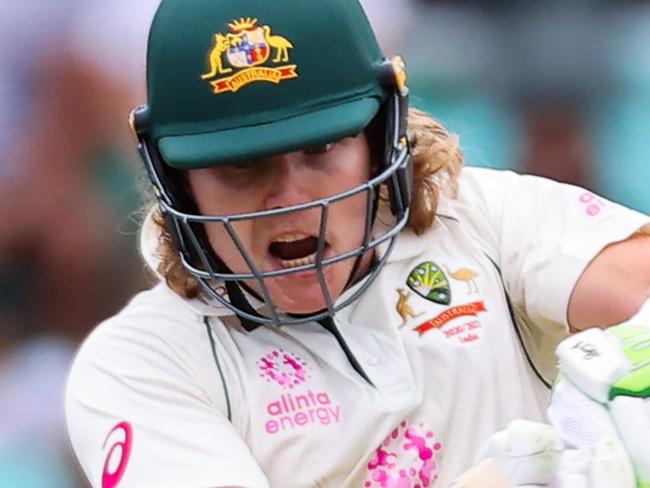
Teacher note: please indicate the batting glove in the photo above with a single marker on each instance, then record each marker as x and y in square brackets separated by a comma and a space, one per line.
[603, 394]
[600, 416]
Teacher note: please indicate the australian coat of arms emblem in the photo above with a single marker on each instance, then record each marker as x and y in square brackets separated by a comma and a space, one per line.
[248, 53]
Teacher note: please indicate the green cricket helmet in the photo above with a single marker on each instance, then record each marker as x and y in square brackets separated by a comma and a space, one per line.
[232, 81]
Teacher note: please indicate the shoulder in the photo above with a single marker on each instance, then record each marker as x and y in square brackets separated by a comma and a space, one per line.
[479, 192]
[480, 188]
[154, 319]
[158, 338]
[501, 199]
[493, 185]
[149, 372]
[473, 178]
[478, 203]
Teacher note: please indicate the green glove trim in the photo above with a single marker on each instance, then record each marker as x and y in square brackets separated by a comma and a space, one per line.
[635, 384]
[626, 332]
[635, 340]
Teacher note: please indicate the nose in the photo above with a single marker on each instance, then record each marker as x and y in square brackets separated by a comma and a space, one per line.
[289, 182]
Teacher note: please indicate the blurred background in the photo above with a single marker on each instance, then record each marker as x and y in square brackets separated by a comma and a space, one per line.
[559, 88]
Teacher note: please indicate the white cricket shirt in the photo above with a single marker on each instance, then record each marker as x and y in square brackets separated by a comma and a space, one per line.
[175, 393]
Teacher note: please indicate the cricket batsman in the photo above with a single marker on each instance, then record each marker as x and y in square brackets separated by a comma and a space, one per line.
[339, 302]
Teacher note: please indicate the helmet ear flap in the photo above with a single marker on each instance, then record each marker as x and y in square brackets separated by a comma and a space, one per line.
[166, 196]
[400, 186]
[393, 76]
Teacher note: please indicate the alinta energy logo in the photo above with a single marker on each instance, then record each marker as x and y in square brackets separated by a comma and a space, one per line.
[298, 407]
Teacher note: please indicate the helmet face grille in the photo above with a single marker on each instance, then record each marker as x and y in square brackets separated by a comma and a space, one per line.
[227, 288]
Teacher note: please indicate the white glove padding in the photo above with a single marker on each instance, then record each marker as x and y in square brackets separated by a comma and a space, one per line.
[531, 455]
[603, 394]
[527, 452]
[604, 464]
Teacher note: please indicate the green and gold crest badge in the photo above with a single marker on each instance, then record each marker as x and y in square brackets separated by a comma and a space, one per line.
[430, 282]
[248, 53]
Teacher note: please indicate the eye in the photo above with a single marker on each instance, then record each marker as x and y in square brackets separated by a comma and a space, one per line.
[240, 167]
[236, 172]
[322, 149]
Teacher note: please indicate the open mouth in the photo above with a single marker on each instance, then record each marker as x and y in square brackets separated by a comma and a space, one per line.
[295, 250]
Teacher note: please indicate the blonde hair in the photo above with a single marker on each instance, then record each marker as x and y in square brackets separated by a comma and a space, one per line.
[437, 162]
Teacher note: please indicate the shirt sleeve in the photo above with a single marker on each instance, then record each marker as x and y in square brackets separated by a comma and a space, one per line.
[138, 417]
[543, 234]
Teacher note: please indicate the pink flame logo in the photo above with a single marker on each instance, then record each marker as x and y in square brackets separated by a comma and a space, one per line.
[283, 368]
[406, 459]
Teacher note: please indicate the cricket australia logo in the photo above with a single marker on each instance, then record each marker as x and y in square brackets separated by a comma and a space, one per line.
[431, 283]
[247, 54]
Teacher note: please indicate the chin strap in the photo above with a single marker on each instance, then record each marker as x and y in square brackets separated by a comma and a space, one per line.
[238, 299]
[328, 324]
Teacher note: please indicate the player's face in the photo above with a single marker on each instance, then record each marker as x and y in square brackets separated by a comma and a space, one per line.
[290, 240]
